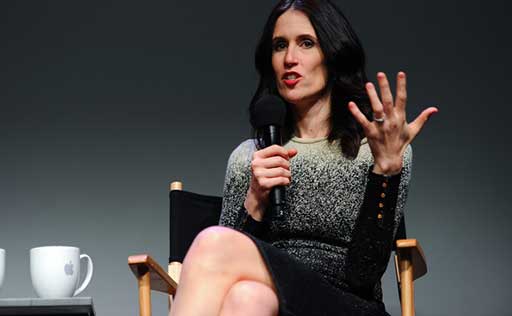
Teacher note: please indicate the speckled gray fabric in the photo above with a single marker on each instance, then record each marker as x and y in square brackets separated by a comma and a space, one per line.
[323, 202]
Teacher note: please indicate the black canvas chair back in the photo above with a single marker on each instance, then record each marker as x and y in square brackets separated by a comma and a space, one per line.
[189, 214]
[401, 232]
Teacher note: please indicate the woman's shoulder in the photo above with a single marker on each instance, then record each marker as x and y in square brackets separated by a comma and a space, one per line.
[244, 148]
[242, 154]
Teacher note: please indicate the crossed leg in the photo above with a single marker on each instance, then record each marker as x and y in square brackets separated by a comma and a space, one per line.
[224, 273]
[250, 298]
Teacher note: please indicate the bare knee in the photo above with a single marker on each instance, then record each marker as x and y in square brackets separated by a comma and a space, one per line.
[250, 297]
[213, 247]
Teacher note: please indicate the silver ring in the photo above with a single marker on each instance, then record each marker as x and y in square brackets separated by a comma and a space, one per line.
[379, 119]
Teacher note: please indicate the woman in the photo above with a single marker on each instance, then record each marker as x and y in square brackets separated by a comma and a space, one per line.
[346, 164]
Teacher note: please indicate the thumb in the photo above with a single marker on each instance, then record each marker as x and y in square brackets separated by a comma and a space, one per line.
[292, 152]
[418, 123]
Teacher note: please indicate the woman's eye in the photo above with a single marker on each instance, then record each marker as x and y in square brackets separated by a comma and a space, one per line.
[279, 46]
[307, 43]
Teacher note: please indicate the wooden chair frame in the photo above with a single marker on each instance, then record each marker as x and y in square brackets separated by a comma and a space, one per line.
[410, 264]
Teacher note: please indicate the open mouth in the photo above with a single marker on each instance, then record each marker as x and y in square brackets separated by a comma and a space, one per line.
[291, 78]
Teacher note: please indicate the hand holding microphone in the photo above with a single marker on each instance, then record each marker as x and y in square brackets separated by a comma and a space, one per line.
[270, 167]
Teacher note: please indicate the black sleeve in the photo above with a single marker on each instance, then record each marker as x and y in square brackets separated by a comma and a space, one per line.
[372, 237]
[246, 223]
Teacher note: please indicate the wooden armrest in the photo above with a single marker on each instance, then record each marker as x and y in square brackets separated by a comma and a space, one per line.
[412, 248]
[410, 265]
[160, 280]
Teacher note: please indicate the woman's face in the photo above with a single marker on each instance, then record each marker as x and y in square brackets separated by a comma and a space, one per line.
[297, 59]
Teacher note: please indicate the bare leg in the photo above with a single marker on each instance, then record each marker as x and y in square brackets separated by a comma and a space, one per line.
[250, 298]
[218, 258]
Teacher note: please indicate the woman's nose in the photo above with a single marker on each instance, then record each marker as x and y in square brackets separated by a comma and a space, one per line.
[290, 59]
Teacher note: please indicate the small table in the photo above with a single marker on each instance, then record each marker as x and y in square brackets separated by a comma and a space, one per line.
[76, 306]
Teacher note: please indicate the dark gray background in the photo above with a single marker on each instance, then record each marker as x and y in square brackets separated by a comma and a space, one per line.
[103, 103]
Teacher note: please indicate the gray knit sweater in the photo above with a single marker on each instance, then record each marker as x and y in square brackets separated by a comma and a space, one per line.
[324, 201]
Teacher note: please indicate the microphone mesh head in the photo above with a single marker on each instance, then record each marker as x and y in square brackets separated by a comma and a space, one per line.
[269, 110]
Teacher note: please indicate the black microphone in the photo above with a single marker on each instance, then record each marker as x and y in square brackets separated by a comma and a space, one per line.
[268, 118]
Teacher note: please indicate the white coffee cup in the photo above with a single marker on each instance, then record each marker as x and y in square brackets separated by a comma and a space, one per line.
[55, 271]
[2, 266]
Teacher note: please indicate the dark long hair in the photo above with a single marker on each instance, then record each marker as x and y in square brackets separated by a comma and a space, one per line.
[345, 62]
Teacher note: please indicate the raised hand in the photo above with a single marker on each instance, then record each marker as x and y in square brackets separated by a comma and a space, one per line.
[389, 133]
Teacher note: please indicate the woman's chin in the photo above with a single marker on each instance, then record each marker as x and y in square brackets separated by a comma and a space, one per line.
[300, 99]
[303, 96]
[292, 97]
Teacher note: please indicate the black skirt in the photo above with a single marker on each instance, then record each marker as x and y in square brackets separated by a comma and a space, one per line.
[302, 291]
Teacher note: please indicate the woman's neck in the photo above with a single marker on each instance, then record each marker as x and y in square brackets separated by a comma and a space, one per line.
[312, 118]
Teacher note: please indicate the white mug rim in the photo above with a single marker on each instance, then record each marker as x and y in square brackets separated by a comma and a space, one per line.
[61, 247]
[2, 250]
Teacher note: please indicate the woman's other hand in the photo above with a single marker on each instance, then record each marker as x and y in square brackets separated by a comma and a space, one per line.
[270, 167]
[389, 133]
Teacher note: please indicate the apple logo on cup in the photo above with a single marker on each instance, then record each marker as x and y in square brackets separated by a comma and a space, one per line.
[55, 271]
[68, 268]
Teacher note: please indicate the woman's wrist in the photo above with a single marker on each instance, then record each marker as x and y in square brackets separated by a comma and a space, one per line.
[388, 168]
[253, 207]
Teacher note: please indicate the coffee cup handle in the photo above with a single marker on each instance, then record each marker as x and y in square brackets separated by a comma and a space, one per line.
[87, 277]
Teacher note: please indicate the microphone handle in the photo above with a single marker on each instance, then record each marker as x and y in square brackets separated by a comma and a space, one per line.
[277, 197]
[272, 136]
